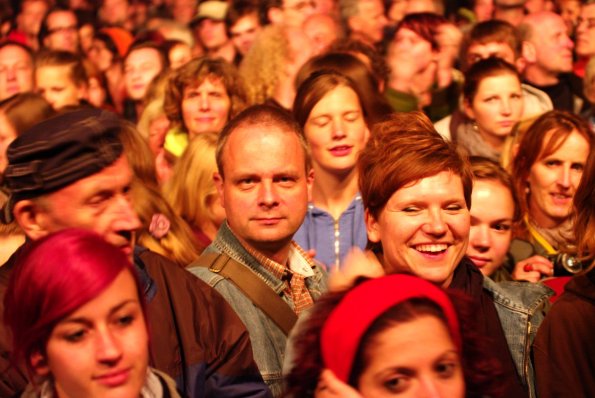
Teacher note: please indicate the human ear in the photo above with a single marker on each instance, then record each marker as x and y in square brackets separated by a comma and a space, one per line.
[39, 364]
[275, 15]
[372, 227]
[310, 182]
[31, 218]
[468, 109]
[218, 180]
[528, 51]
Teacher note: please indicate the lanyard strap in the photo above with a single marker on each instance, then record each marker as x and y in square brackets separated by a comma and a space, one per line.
[539, 238]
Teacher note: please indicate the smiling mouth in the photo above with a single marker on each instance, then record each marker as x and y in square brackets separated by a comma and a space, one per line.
[432, 249]
[560, 197]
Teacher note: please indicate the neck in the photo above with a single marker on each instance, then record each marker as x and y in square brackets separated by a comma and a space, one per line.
[358, 36]
[496, 142]
[277, 251]
[284, 92]
[209, 229]
[333, 193]
[226, 51]
[537, 76]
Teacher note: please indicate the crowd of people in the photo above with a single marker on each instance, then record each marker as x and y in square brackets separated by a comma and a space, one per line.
[297, 198]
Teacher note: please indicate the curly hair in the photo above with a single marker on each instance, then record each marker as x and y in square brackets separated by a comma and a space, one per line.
[264, 64]
[193, 74]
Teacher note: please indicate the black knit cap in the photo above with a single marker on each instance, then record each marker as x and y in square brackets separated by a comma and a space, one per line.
[58, 152]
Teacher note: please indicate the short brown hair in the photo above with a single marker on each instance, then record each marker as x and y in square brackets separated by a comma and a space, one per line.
[262, 115]
[195, 73]
[404, 149]
[77, 72]
[492, 31]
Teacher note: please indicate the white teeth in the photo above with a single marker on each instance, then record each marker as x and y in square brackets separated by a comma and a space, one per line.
[432, 248]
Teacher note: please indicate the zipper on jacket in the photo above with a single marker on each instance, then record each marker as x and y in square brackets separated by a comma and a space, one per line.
[337, 245]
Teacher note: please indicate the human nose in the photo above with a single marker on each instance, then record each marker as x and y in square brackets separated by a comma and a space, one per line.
[127, 219]
[108, 349]
[581, 25]
[11, 74]
[428, 388]
[204, 102]
[564, 177]
[383, 21]
[267, 195]
[479, 237]
[505, 107]
[435, 224]
[568, 42]
[338, 129]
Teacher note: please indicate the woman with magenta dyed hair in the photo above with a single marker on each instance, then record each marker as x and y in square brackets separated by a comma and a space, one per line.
[75, 311]
[397, 334]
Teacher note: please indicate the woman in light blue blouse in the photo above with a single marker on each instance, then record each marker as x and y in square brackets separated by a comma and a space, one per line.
[328, 106]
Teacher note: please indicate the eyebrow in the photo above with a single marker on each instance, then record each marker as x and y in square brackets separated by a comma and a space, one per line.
[115, 309]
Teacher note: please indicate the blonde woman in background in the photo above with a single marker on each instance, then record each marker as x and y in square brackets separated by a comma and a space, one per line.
[162, 230]
[191, 191]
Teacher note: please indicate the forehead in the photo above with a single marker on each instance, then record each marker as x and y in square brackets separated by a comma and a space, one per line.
[143, 55]
[551, 24]
[588, 10]
[443, 186]
[114, 177]
[261, 147]
[54, 75]
[370, 6]
[565, 145]
[210, 82]
[13, 53]
[245, 22]
[348, 100]
[488, 192]
[489, 47]
[500, 83]
[33, 5]
[61, 16]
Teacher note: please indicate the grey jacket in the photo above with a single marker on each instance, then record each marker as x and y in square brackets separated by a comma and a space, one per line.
[268, 340]
[521, 308]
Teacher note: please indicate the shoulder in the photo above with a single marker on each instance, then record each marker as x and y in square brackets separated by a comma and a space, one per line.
[518, 295]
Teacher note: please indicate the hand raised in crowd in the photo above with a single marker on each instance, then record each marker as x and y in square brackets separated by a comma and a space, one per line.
[533, 269]
[329, 386]
[357, 264]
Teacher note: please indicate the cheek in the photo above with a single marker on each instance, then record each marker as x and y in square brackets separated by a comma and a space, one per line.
[223, 107]
[501, 243]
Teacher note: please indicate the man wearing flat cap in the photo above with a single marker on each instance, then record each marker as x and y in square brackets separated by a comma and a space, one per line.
[209, 30]
[70, 171]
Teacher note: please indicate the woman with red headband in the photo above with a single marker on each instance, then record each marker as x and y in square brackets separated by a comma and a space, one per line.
[397, 334]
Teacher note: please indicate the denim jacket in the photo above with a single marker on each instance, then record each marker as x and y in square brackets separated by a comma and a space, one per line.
[521, 308]
[268, 340]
